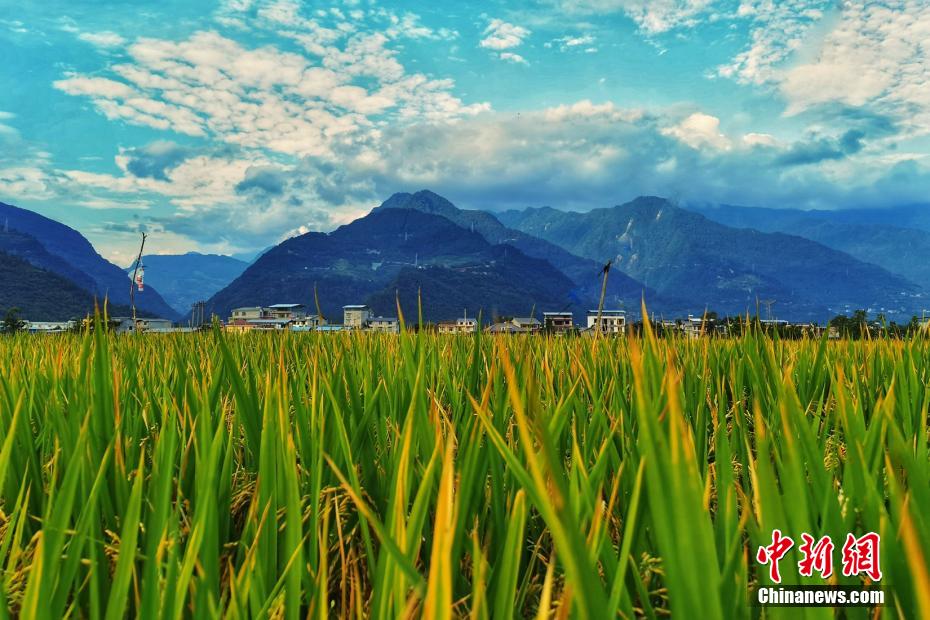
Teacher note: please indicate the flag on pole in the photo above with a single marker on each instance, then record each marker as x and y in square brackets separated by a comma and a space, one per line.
[140, 278]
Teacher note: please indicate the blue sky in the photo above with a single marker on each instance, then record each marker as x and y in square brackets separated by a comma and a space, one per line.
[228, 126]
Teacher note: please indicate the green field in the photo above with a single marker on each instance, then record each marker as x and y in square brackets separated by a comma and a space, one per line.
[354, 475]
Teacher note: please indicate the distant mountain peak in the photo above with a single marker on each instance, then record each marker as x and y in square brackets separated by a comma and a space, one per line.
[424, 200]
[404, 246]
[651, 200]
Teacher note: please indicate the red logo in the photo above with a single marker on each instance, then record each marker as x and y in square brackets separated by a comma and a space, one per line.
[860, 556]
[817, 556]
[773, 553]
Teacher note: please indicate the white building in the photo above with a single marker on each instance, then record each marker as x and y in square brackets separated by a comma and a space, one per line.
[49, 327]
[386, 324]
[528, 323]
[307, 323]
[697, 326]
[247, 313]
[517, 325]
[285, 311]
[155, 325]
[355, 316]
[612, 321]
[266, 324]
[463, 325]
[124, 325]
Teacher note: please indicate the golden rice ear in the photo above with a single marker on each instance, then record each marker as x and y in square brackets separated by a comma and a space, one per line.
[400, 311]
[419, 308]
[316, 301]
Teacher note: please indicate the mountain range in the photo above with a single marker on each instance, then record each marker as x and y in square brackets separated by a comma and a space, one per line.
[899, 241]
[583, 272]
[59, 249]
[723, 268]
[808, 265]
[393, 253]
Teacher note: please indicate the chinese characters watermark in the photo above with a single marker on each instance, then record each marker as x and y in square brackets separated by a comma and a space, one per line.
[860, 556]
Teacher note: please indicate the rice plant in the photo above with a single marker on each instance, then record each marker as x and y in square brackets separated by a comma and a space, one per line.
[358, 475]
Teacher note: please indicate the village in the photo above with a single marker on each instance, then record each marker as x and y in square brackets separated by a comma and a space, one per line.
[294, 317]
[608, 322]
[359, 317]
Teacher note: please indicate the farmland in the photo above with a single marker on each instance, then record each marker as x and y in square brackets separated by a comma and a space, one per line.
[361, 475]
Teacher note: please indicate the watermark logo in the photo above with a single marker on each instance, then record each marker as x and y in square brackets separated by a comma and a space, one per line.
[860, 556]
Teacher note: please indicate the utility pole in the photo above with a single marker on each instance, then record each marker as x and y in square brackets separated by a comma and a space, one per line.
[132, 284]
[600, 304]
[316, 300]
[768, 303]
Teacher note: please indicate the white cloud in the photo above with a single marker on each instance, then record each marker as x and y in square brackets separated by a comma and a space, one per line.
[197, 182]
[237, 5]
[501, 35]
[26, 182]
[95, 86]
[587, 154]
[106, 204]
[102, 39]
[265, 98]
[759, 139]
[652, 16]
[875, 55]
[699, 130]
[208, 191]
[514, 58]
[569, 42]
[778, 29]
[872, 56]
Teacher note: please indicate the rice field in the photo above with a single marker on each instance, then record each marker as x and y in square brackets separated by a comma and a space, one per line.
[359, 475]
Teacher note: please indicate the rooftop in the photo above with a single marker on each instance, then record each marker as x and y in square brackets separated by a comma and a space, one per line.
[286, 306]
[355, 307]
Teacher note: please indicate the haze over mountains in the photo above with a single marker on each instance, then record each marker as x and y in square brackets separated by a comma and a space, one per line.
[896, 239]
[723, 258]
[184, 279]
